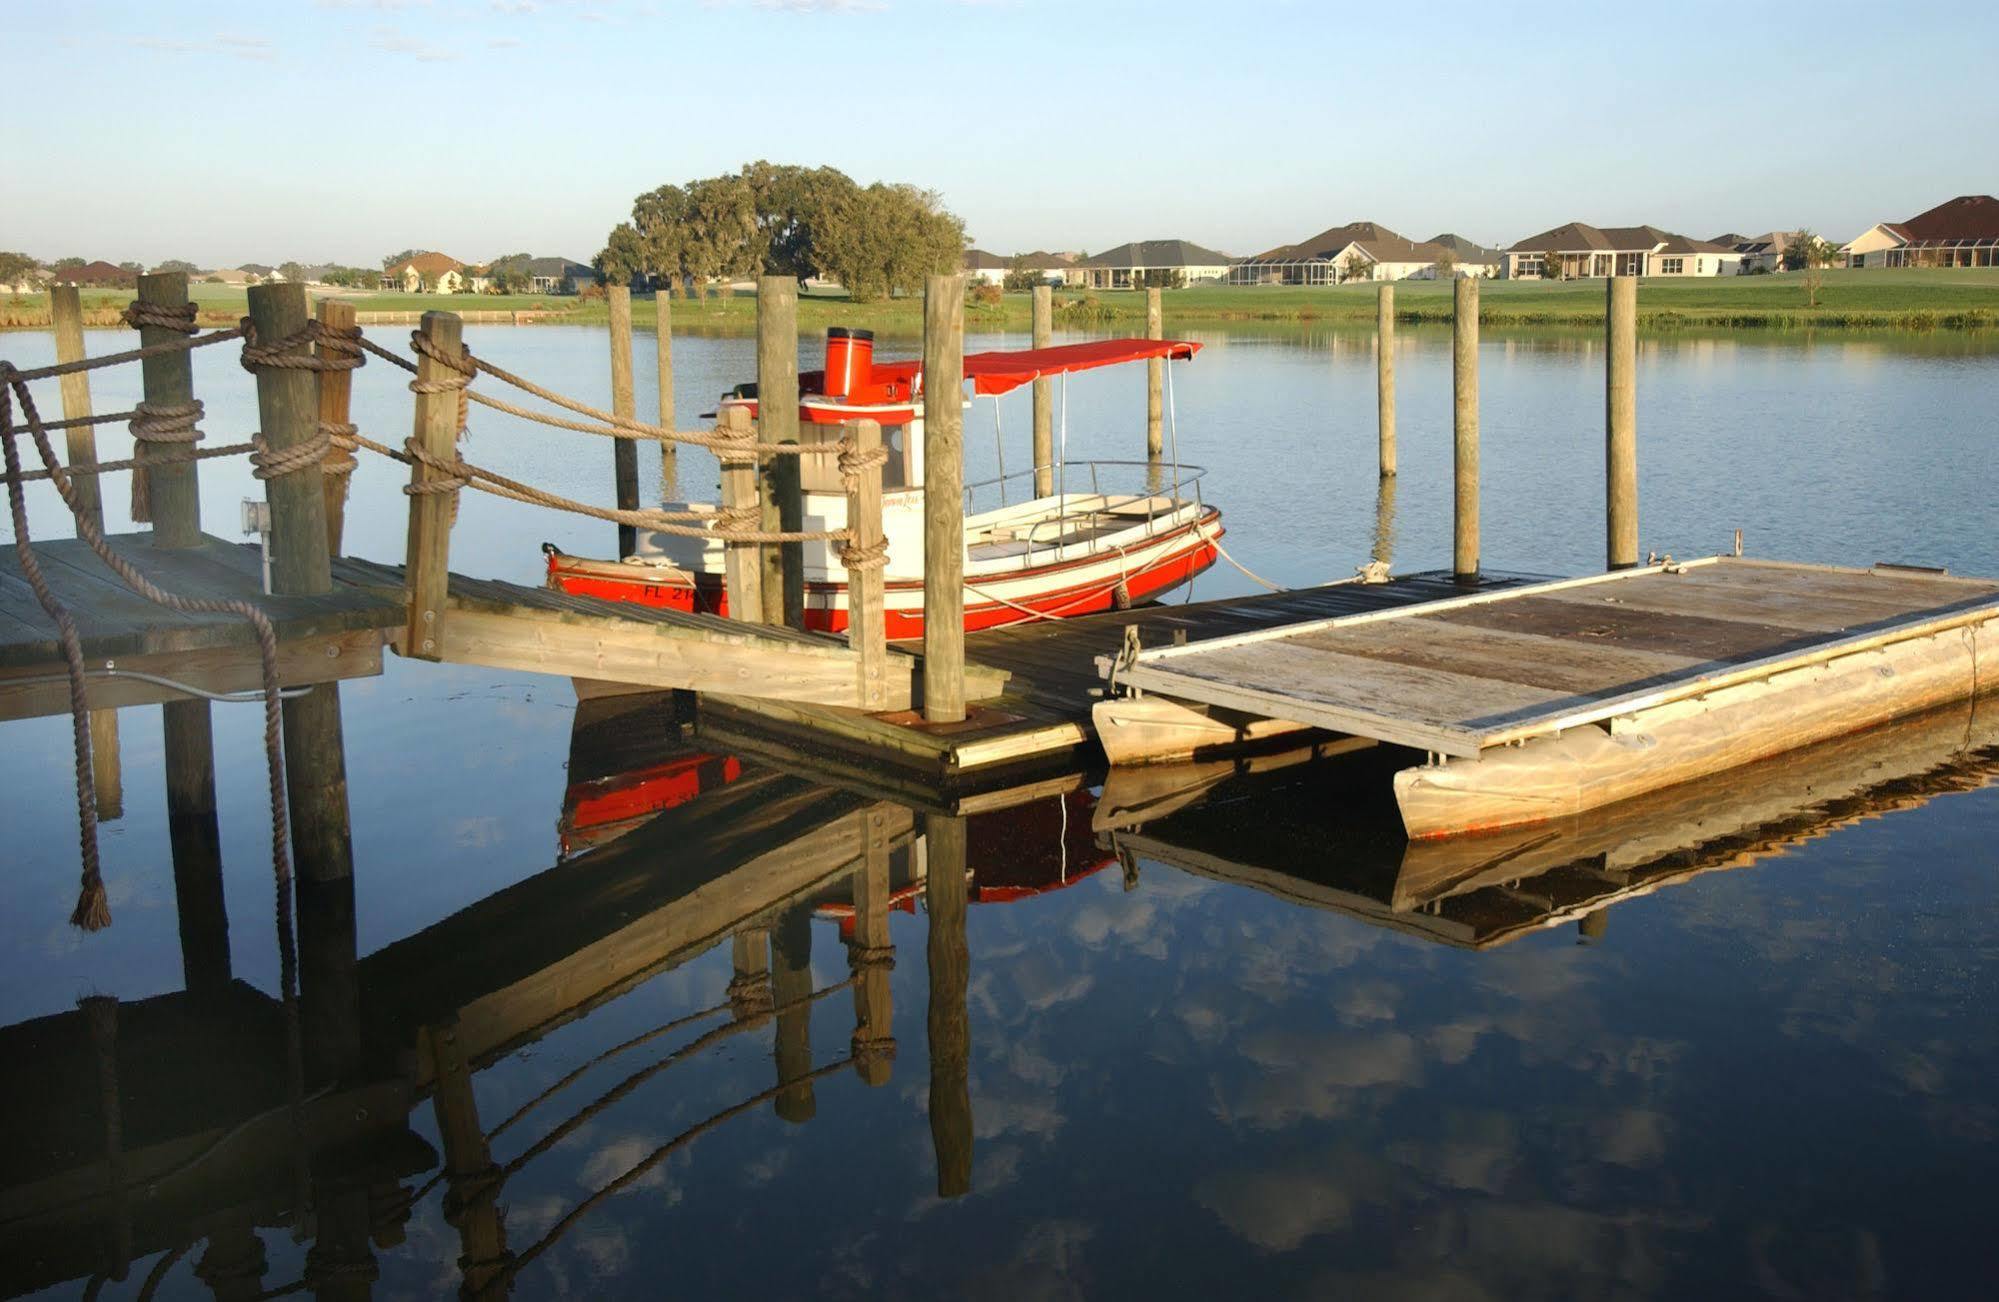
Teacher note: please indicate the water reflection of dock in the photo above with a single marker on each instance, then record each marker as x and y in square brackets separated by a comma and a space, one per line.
[1481, 892]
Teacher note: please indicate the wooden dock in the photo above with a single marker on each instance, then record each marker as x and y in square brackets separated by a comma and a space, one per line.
[1544, 700]
[1041, 718]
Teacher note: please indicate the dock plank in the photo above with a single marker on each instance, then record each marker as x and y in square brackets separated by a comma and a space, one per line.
[1560, 664]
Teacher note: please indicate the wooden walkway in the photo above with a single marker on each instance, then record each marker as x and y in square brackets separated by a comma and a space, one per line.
[1042, 717]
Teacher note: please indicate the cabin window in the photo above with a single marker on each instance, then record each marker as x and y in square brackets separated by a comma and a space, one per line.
[1671, 266]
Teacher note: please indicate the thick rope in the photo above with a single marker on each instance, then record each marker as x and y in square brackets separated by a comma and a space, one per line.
[853, 464]
[129, 355]
[158, 424]
[133, 463]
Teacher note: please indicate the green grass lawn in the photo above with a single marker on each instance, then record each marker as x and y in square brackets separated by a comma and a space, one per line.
[1870, 299]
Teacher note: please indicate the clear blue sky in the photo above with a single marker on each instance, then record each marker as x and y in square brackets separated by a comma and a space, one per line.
[348, 129]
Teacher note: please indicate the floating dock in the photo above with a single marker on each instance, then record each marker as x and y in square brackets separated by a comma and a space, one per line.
[1543, 700]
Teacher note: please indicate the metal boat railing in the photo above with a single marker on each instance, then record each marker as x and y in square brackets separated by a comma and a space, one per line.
[1187, 480]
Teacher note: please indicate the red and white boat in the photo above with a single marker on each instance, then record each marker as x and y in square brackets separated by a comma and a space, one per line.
[1112, 534]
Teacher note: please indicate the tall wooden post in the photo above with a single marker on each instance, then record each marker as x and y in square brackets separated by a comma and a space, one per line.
[1620, 422]
[1384, 520]
[173, 489]
[949, 1027]
[336, 390]
[662, 304]
[427, 564]
[315, 753]
[742, 574]
[196, 840]
[66, 308]
[777, 422]
[1384, 374]
[329, 976]
[791, 983]
[944, 499]
[471, 1201]
[1155, 380]
[624, 452]
[1044, 396]
[1464, 390]
[867, 628]
[871, 956]
[66, 312]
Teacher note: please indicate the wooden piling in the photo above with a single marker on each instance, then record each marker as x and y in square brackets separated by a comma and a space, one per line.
[624, 452]
[336, 389]
[329, 978]
[944, 499]
[1384, 520]
[472, 1181]
[1155, 380]
[663, 340]
[1044, 396]
[871, 955]
[427, 561]
[791, 983]
[1384, 374]
[1464, 390]
[66, 312]
[288, 417]
[742, 574]
[945, 892]
[1620, 422]
[749, 984]
[777, 422]
[173, 490]
[867, 629]
[66, 308]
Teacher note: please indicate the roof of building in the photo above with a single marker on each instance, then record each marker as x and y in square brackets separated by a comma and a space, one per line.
[1967, 219]
[1581, 237]
[257, 268]
[1044, 258]
[425, 264]
[1749, 246]
[98, 272]
[559, 267]
[1463, 249]
[1374, 240]
[980, 260]
[1158, 253]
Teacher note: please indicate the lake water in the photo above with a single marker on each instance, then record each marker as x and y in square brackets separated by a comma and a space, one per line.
[1246, 1044]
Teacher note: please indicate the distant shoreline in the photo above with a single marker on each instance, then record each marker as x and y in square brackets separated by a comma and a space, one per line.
[1911, 300]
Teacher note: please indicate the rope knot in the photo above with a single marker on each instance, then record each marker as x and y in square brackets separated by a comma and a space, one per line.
[870, 1049]
[178, 319]
[291, 353]
[446, 476]
[166, 422]
[271, 463]
[339, 347]
[856, 558]
[866, 956]
[737, 519]
[343, 440]
[853, 461]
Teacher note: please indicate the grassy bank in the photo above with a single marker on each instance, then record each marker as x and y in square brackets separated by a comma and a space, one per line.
[1877, 299]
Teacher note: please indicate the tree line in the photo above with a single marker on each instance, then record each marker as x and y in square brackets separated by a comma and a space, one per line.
[782, 219]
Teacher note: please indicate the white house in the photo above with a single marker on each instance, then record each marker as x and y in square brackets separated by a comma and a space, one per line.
[983, 268]
[435, 273]
[1961, 233]
[1355, 251]
[1578, 250]
[1129, 265]
[1763, 252]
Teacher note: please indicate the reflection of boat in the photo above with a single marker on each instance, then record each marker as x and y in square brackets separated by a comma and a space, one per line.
[1487, 890]
[1105, 537]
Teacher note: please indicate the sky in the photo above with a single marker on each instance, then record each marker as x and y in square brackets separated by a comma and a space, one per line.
[346, 130]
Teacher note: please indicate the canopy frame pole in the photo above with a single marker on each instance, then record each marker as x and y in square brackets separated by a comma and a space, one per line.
[1062, 472]
[999, 447]
[1172, 430]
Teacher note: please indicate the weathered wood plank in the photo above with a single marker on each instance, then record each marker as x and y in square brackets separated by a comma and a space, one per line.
[1561, 664]
[1806, 612]
[230, 668]
[1623, 625]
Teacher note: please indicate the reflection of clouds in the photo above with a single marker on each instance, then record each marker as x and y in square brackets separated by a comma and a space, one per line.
[1042, 983]
[1278, 1208]
[1048, 1263]
[1314, 1076]
[1128, 917]
[620, 1155]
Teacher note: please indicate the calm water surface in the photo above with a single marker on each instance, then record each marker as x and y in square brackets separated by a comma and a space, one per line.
[1220, 1035]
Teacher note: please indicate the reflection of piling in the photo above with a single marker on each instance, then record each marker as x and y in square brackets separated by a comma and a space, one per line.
[777, 422]
[749, 988]
[950, 1035]
[1384, 376]
[340, 1264]
[1155, 379]
[1592, 926]
[1464, 392]
[624, 452]
[329, 984]
[943, 499]
[233, 1264]
[196, 839]
[871, 956]
[1620, 422]
[791, 983]
[100, 1013]
[66, 310]
[1044, 396]
[472, 1181]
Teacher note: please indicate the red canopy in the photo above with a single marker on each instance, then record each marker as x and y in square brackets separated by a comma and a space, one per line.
[1003, 372]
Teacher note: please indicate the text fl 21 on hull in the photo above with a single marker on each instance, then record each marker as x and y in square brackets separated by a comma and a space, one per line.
[1111, 534]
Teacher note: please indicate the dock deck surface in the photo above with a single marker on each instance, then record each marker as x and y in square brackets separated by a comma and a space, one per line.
[1461, 676]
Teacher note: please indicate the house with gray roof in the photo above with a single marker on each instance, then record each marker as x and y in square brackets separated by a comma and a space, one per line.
[559, 275]
[1355, 251]
[1129, 266]
[1468, 257]
[1577, 250]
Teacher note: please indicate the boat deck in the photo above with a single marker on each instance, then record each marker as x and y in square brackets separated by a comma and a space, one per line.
[1043, 716]
[1461, 676]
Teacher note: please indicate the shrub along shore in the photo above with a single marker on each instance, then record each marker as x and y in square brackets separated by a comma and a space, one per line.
[1848, 300]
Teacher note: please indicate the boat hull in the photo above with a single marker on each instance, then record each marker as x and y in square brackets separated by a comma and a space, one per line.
[1082, 585]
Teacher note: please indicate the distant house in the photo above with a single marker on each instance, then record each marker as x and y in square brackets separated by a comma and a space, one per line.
[1468, 258]
[1050, 268]
[1961, 233]
[984, 268]
[1128, 265]
[94, 275]
[1763, 252]
[263, 271]
[1355, 251]
[227, 276]
[31, 281]
[433, 273]
[559, 275]
[1579, 249]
